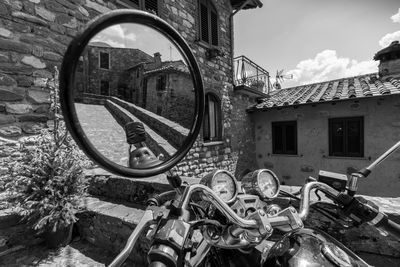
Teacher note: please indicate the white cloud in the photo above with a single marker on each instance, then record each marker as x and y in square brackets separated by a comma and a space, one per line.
[115, 36]
[396, 17]
[388, 38]
[328, 66]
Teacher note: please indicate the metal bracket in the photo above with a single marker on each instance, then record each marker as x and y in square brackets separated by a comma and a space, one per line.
[294, 221]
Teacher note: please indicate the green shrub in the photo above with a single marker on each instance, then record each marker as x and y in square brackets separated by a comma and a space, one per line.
[48, 182]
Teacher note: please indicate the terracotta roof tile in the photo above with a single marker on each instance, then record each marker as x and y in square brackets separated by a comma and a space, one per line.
[369, 85]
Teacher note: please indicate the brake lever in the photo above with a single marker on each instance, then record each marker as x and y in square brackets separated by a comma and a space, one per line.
[151, 216]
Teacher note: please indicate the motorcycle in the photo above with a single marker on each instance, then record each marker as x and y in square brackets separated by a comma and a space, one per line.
[215, 222]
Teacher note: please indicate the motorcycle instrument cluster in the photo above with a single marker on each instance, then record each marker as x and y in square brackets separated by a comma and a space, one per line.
[262, 182]
[223, 183]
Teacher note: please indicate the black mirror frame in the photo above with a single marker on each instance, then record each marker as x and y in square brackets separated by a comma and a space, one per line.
[67, 75]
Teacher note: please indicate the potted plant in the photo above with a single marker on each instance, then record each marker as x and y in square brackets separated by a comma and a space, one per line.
[48, 180]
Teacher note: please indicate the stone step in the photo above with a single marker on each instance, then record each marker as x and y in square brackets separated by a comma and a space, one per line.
[105, 184]
[108, 225]
[77, 253]
[8, 218]
[17, 237]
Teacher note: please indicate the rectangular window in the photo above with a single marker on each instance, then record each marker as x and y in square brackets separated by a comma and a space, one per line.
[104, 60]
[147, 5]
[284, 137]
[160, 83]
[212, 119]
[346, 137]
[159, 110]
[208, 23]
[104, 88]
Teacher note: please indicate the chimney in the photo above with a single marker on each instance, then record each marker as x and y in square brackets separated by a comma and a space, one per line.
[389, 59]
[157, 60]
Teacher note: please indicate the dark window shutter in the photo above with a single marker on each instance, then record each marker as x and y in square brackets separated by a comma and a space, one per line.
[104, 60]
[206, 121]
[284, 137]
[204, 23]
[135, 2]
[151, 6]
[214, 28]
[346, 137]
[127, 4]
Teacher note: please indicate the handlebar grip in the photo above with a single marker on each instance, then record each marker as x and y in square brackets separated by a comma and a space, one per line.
[389, 226]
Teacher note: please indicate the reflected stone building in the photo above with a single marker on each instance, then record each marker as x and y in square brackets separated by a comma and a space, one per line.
[104, 68]
[164, 88]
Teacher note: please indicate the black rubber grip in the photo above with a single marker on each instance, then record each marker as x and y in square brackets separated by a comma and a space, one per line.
[389, 226]
[135, 132]
[364, 172]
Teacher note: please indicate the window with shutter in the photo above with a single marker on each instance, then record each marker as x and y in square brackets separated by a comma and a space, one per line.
[204, 22]
[284, 137]
[151, 6]
[214, 28]
[208, 23]
[104, 60]
[346, 137]
[212, 119]
[147, 5]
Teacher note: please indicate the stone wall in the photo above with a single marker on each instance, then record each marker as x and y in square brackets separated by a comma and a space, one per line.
[176, 101]
[217, 78]
[243, 137]
[171, 131]
[33, 38]
[121, 59]
[389, 67]
[34, 35]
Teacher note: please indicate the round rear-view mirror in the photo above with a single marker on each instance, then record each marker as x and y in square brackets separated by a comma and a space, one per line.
[131, 93]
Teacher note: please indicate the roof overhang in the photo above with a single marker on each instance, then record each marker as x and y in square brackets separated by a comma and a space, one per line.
[332, 102]
[245, 4]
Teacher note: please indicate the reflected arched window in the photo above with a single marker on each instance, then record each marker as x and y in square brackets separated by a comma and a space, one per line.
[212, 118]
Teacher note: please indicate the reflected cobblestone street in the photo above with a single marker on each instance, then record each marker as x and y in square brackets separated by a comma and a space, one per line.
[104, 132]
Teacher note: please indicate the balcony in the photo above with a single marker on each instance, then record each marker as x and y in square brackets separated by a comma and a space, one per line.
[250, 79]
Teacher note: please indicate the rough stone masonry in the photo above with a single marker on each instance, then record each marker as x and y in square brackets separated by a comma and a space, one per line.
[34, 35]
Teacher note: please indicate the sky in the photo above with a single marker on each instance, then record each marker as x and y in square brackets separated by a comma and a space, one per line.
[129, 35]
[316, 40]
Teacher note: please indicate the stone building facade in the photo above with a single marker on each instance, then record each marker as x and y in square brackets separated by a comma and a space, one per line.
[34, 35]
[170, 92]
[110, 79]
[339, 126]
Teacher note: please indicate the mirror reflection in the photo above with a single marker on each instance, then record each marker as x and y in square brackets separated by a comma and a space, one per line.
[134, 95]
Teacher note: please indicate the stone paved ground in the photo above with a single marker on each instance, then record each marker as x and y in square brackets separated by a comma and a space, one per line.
[104, 132]
[78, 253]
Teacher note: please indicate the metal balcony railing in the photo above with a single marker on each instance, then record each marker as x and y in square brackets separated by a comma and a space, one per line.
[249, 74]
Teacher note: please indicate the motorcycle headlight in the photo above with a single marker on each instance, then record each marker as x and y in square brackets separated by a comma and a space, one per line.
[223, 183]
[262, 182]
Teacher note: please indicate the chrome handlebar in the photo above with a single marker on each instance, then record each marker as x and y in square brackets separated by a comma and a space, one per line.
[305, 196]
[245, 232]
[221, 205]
